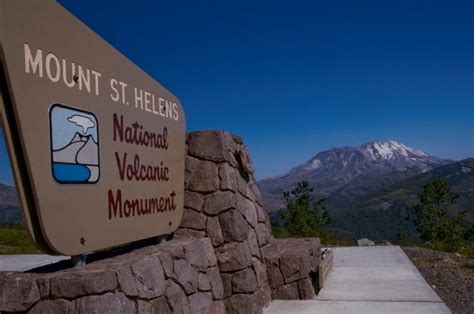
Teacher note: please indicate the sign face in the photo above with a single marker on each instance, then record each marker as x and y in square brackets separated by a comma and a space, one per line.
[97, 145]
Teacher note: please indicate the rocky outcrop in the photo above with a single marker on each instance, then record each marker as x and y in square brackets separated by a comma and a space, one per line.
[223, 258]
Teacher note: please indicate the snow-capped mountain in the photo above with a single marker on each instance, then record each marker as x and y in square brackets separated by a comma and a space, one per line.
[352, 171]
[391, 154]
[390, 150]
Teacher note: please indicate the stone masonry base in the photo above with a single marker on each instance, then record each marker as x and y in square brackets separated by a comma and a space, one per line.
[223, 258]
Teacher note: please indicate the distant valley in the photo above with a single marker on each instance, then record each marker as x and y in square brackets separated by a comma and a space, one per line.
[368, 188]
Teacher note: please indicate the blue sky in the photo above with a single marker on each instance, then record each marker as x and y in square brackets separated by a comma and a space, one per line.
[64, 130]
[297, 77]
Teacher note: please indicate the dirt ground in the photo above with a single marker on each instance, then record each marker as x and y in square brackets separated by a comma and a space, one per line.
[450, 275]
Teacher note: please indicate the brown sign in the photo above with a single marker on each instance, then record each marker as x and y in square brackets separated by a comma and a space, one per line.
[97, 145]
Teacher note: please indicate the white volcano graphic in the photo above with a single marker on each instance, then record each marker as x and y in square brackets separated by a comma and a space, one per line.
[81, 150]
[75, 156]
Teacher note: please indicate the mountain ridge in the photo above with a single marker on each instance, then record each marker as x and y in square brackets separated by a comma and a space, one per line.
[9, 205]
[369, 188]
[358, 168]
[8, 194]
[367, 147]
[383, 213]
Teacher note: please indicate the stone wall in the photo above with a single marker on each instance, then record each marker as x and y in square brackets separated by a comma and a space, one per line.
[223, 258]
[222, 202]
[180, 276]
[292, 268]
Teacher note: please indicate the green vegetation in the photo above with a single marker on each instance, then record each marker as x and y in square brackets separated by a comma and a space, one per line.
[469, 266]
[304, 216]
[401, 238]
[466, 250]
[438, 229]
[14, 239]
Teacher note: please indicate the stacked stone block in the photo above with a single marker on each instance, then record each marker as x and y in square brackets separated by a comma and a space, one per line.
[222, 202]
[180, 276]
[292, 268]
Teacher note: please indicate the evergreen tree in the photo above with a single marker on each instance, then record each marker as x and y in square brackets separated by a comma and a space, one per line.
[430, 216]
[305, 216]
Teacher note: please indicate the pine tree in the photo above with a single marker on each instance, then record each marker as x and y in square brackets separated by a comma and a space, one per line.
[305, 216]
[430, 216]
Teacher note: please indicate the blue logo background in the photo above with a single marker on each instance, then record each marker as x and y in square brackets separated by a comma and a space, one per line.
[74, 145]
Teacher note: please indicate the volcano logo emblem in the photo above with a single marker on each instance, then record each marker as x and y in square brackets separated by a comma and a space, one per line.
[74, 145]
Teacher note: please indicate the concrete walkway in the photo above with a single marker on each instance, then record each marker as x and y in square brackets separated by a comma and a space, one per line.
[20, 263]
[378, 279]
